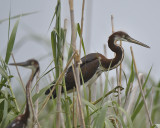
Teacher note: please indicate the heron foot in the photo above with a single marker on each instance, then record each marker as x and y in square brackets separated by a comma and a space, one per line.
[119, 87]
[117, 91]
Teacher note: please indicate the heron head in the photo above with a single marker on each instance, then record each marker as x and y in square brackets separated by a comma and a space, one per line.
[122, 36]
[31, 63]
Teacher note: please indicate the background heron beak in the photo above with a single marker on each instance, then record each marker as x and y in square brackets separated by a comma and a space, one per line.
[129, 39]
[24, 64]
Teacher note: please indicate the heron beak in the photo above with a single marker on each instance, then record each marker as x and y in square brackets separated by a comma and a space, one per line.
[129, 39]
[23, 64]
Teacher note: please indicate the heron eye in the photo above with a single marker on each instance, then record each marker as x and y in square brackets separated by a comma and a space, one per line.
[123, 36]
[32, 63]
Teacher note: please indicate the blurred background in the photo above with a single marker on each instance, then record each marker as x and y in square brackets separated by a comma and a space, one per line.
[140, 19]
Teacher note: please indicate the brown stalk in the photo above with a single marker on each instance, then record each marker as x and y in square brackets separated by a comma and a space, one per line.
[18, 73]
[105, 50]
[120, 80]
[112, 23]
[77, 63]
[79, 99]
[117, 76]
[140, 86]
[105, 54]
[131, 97]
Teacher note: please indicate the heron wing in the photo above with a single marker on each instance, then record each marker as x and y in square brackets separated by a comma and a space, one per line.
[89, 66]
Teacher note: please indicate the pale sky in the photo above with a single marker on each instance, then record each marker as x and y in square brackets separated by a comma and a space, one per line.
[140, 19]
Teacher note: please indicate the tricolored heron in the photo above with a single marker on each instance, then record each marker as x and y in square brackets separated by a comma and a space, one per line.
[21, 120]
[94, 64]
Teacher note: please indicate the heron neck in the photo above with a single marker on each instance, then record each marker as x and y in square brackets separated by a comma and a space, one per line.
[28, 90]
[118, 50]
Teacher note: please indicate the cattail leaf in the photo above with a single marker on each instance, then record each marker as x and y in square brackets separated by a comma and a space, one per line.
[85, 102]
[131, 79]
[70, 52]
[155, 101]
[5, 111]
[9, 24]
[3, 73]
[53, 43]
[41, 92]
[11, 42]
[109, 124]
[100, 118]
[17, 16]
[130, 124]
[1, 100]
[55, 13]
[157, 125]
[79, 33]
[140, 105]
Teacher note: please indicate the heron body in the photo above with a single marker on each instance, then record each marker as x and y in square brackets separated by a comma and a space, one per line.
[21, 120]
[94, 64]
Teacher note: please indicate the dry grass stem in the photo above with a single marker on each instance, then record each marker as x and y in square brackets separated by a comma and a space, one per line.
[77, 63]
[81, 116]
[112, 23]
[117, 76]
[73, 29]
[131, 97]
[19, 74]
[105, 50]
[120, 80]
[140, 86]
